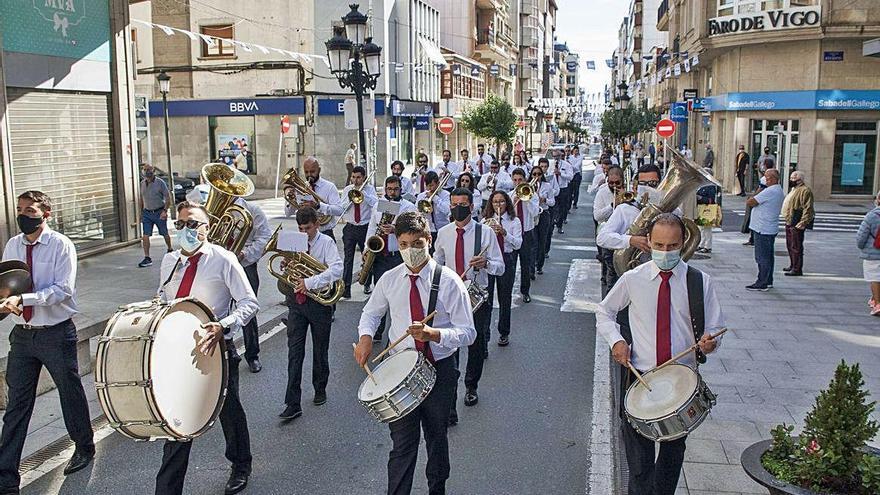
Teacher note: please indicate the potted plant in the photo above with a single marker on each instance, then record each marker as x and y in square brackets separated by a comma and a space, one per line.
[831, 455]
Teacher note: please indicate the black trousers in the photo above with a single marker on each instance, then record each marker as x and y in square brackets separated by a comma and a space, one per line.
[554, 216]
[741, 178]
[30, 350]
[251, 332]
[353, 237]
[575, 188]
[794, 242]
[542, 234]
[611, 275]
[300, 318]
[563, 204]
[474, 370]
[504, 286]
[431, 417]
[526, 262]
[433, 240]
[381, 265]
[175, 455]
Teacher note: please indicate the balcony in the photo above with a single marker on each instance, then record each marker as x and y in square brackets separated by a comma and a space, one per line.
[489, 4]
[663, 16]
[491, 47]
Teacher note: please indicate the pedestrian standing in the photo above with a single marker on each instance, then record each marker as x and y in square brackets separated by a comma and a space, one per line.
[708, 214]
[868, 240]
[154, 202]
[797, 210]
[741, 162]
[350, 159]
[652, 151]
[687, 152]
[764, 225]
[709, 159]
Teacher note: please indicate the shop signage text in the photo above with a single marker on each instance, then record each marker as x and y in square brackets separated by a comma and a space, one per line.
[678, 112]
[411, 109]
[832, 56]
[771, 20]
[832, 99]
[251, 106]
[337, 106]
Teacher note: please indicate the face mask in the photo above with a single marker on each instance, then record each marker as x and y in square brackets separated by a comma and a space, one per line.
[414, 257]
[793, 184]
[29, 225]
[654, 194]
[188, 239]
[149, 175]
[666, 260]
[460, 213]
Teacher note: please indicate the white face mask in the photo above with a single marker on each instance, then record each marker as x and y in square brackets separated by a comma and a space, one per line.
[654, 194]
[414, 257]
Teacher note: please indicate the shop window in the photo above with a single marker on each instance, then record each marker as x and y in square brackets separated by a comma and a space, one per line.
[233, 143]
[731, 7]
[855, 158]
[221, 48]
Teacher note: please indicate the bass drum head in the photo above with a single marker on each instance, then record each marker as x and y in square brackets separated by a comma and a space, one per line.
[671, 387]
[187, 385]
[389, 374]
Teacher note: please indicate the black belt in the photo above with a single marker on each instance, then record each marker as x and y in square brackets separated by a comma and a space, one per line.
[154, 211]
[42, 327]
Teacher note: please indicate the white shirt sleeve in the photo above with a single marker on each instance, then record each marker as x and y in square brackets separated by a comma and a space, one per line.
[496, 259]
[375, 309]
[612, 234]
[64, 271]
[261, 234]
[330, 255]
[606, 312]
[462, 331]
[514, 234]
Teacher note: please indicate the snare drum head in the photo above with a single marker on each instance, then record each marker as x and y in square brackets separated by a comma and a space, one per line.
[671, 387]
[187, 384]
[389, 374]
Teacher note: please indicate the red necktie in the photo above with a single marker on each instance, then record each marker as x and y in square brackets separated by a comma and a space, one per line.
[417, 313]
[189, 276]
[664, 337]
[357, 213]
[519, 213]
[28, 311]
[500, 242]
[481, 168]
[459, 252]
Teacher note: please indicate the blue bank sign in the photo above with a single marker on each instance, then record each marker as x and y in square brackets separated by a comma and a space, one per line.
[246, 106]
[337, 106]
[831, 99]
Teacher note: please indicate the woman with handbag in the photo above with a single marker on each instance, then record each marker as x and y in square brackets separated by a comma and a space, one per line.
[868, 240]
[708, 214]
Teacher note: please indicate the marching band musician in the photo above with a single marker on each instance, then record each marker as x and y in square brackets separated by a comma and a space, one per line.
[603, 207]
[390, 255]
[600, 174]
[496, 180]
[322, 187]
[466, 180]
[406, 184]
[484, 159]
[553, 178]
[546, 201]
[357, 219]
[465, 165]
[248, 257]
[564, 173]
[446, 165]
[660, 295]
[43, 335]
[499, 215]
[214, 276]
[440, 214]
[459, 248]
[577, 161]
[527, 212]
[451, 328]
[305, 313]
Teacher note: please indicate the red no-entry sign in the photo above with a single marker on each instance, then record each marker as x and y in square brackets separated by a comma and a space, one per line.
[285, 124]
[446, 125]
[665, 128]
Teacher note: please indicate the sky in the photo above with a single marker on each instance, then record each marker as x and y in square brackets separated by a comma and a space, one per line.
[590, 27]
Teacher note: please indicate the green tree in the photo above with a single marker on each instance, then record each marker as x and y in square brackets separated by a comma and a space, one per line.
[493, 119]
[622, 123]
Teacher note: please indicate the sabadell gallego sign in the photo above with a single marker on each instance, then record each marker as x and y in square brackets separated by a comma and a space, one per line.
[771, 20]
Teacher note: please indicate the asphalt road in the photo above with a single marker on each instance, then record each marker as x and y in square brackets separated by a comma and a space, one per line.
[528, 434]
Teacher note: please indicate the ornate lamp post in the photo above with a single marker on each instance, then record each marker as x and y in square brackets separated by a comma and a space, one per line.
[164, 87]
[531, 113]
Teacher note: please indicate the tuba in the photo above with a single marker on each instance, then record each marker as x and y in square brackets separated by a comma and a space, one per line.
[294, 184]
[292, 266]
[682, 180]
[426, 205]
[231, 224]
[375, 244]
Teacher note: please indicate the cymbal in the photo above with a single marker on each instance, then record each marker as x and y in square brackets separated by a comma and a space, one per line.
[15, 278]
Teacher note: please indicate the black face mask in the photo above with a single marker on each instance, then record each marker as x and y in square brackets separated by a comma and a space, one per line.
[793, 184]
[29, 225]
[461, 213]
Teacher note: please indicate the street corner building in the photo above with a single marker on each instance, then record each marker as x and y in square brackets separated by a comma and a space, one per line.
[799, 77]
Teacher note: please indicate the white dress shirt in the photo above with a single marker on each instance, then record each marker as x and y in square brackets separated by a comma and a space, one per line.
[603, 204]
[219, 281]
[259, 236]
[548, 192]
[531, 210]
[53, 274]
[598, 180]
[444, 251]
[329, 193]
[406, 186]
[477, 210]
[405, 206]
[465, 166]
[503, 182]
[323, 249]
[346, 209]
[638, 289]
[440, 216]
[577, 162]
[487, 162]
[513, 236]
[453, 167]
[566, 173]
[612, 234]
[454, 318]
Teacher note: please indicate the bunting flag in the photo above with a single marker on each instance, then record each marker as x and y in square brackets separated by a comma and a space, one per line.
[668, 73]
[647, 58]
[687, 65]
[494, 69]
[591, 65]
[610, 63]
[684, 55]
[513, 70]
[456, 70]
[677, 70]
[398, 67]
[696, 60]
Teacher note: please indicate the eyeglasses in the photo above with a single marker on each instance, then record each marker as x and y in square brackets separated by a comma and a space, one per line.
[613, 183]
[190, 224]
[649, 183]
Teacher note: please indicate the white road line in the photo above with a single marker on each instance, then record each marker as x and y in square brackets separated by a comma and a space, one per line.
[582, 289]
[600, 471]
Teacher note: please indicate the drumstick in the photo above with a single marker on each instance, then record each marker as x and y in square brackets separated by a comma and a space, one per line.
[638, 375]
[400, 339]
[366, 367]
[16, 310]
[688, 350]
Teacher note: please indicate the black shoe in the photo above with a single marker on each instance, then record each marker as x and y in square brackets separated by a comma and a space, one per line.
[453, 418]
[533, 277]
[540, 271]
[368, 290]
[560, 231]
[254, 365]
[756, 287]
[237, 482]
[290, 413]
[794, 274]
[79, 460]
[9, 491]
[503, 341]
[485, 354]
[546, 256]
[471, 398]
[526, 298]
[320, 398]
[747, 243]
[787, 269]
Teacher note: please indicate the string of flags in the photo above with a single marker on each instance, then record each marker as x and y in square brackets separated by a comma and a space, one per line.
[670, 71]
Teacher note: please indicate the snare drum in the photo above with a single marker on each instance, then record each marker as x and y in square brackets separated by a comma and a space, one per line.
[151, 379]
[477, 295]
[403, 380]
[678, 402]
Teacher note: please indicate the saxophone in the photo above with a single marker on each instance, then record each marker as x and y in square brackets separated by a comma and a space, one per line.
[375, 244]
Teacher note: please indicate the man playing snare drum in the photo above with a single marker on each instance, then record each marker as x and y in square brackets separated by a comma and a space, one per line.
[451, 328]
[660, 295]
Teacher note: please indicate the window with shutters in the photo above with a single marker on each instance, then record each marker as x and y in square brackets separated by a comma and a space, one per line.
[221, 48]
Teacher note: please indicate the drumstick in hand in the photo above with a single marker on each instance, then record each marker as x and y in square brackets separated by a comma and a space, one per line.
[638, 375]
[366, 367]
[16, 310]
[402, 337]
[689, 350]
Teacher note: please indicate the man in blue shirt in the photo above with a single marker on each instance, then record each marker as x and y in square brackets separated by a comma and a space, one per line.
[764, 225]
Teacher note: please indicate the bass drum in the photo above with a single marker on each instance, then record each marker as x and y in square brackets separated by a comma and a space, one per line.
[152, 381]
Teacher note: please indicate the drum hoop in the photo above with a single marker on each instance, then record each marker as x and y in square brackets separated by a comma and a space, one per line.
[420, 362]
[690, 398]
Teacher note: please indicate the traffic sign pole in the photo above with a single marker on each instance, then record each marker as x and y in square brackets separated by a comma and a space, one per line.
[285, 126]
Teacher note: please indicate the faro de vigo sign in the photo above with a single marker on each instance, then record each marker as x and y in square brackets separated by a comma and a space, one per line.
[771, 20]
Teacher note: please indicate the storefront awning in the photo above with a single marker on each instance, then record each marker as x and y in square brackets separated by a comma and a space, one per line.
[432, 51]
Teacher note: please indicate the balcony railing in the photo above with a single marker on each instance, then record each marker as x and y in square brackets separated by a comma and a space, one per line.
[663, 15]
[486, 37]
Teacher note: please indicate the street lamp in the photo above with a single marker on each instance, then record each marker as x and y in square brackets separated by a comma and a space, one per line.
[345, 51]
[165, 86]
[531, 113]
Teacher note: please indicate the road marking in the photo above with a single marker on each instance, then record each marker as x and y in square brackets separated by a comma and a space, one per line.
[600, 469]
[568, 247]
[582, 289]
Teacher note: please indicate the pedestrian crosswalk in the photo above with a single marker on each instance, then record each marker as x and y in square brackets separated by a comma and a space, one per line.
[272, 207]
[827, 222]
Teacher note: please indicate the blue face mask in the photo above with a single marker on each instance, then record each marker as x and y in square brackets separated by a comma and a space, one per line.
[188, 239]
[666, 260]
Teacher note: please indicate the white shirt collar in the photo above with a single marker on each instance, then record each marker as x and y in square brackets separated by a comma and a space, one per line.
[41, 239]
[424, 273]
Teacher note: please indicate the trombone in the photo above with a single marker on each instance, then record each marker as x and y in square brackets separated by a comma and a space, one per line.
[356, 194]
[298, 185]
[295, 266]
[525, 191]
[426, 205]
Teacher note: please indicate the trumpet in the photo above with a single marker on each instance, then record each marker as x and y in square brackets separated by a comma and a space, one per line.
[418, 171]
[375, 244]
[426, 205]
[356, 194]
[297, 185]
[293, 266]
[232, 224]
